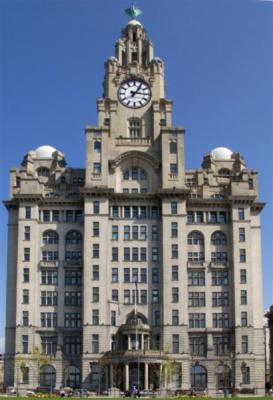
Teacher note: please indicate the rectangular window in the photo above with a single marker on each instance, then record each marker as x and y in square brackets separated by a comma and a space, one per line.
[243, 276]
[155, 212]
[27, 233]
[213, 217]
[157, 318]
[96, 207]
[24, 344]
[73, 278]
[113, 318]
[143, 296]
[96, 168]
[245, 375]
[220, 278]
[69, 216]
[241, 214]
[96, 250]
[174, 272]
[197, 320]
[173, 207]
[222, 217]
[135, 275]
[196, 299]
[220, 320]
[115, 232]
[175, 344]
[173, 147]
[195, 257]
[135, 232]
[244, 318]
[114, 275]
[199, 217]
[242, 255]
[135, 212]
[55, 215]
[143, 232]
[46, 215]
[174, 230]
[115, 212]
[143, 212]
[95, 344]
[27, 212]
[174, 251]
[126, 253]
[219, 257]
[126, 232]
[155, 254]
[155, 296]
[114, 294]
[196, 278]
[126, 275]
[25, 296]
[96, 229]
[143, 254]
[243, 297]
[72, 345]
[73, 299]
[26, 275]
[49, 298]
[25, 318]
[48, 320]
[190, 217]
[126, 297]
[72, 320]
[155, 275]
[173, 168]
[127, 212]
[49, 345]
[95, 272]
[221, 345]
[50, 255]
[244, 344]
[135, 254]
[154, 232]
[175, 295]
[175, 317]
[95, 294]
[49, 277]
[78, 216]
[242, 236]
[197, 345]
[143, 275]
[95, 317]
[114, 253]
[26, 254]
[220, 299]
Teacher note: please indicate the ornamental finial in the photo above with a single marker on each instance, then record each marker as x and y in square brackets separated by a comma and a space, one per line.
[133, 11]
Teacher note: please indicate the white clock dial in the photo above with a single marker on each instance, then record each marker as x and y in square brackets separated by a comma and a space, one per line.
[134, 93]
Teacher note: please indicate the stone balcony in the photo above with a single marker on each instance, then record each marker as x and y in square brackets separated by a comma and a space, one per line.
[127, 141]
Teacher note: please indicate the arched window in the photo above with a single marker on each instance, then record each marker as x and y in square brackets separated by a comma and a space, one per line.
[135, 174]
[198, 377]
[218, 238]
[73, 237]
[72, 377]
[134, 128]
[224, 172]
[97, 146]
[195, 238]
[50, 237]
[43, 171]
[47, 376]
[223, 377]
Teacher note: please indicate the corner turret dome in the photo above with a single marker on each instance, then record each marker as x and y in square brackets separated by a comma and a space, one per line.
[221, 153]
[44, 151]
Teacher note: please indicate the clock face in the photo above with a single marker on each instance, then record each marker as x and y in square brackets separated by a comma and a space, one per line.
[134, 93]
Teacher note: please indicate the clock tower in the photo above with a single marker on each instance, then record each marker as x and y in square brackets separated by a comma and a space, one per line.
[133, 114]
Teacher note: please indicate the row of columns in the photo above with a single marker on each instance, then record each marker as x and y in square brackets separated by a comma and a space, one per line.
[140, 343]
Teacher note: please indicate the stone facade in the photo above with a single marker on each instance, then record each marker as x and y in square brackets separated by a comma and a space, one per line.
[269, 345]
[134, 270]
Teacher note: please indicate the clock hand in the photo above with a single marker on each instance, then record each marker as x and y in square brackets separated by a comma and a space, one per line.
[136, 91]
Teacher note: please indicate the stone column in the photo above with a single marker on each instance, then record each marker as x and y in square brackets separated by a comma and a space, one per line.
[129, 343]
[111, 376]
[146, 377]
[106, 377]
[126, 376]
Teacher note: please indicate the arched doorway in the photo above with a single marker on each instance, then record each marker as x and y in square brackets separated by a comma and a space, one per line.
[223, 377]
[198, 377]
[48, 376]
[72, 377]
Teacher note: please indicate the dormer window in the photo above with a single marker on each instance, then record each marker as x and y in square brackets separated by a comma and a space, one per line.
[135, 128]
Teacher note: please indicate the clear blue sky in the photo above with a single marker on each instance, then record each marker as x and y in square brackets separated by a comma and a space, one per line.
[219, 63]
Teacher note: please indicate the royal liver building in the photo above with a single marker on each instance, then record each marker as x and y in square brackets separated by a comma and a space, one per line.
[134, 271]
